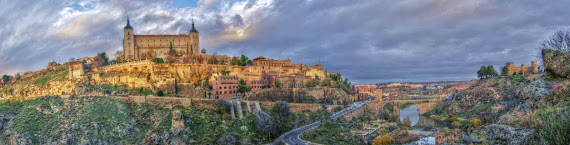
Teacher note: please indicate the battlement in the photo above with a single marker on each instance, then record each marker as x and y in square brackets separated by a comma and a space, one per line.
[522, 69]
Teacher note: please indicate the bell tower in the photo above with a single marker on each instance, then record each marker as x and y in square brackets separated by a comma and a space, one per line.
[128, 42]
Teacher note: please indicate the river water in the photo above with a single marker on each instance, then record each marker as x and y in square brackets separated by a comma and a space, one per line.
[412, 112]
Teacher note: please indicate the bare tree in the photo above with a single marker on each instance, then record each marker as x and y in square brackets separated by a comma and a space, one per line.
[119, 55]
[71, 59]
[560, 40]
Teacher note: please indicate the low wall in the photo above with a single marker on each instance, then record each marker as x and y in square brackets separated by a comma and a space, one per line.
[199, 103]
[300, 107]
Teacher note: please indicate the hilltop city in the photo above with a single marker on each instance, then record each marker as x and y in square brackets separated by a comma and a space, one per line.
[165, 89]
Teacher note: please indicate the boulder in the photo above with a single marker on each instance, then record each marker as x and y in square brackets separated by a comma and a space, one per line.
[556, 63]
[504, 134]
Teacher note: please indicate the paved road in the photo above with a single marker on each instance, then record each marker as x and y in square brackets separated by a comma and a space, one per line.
[293, 137]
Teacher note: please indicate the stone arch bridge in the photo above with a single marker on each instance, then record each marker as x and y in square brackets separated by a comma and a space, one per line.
[424, 105]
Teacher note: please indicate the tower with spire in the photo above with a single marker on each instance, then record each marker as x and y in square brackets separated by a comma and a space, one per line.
[128, 42]
[195, 36]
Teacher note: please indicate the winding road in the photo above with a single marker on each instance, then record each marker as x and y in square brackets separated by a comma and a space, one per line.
[293, 137]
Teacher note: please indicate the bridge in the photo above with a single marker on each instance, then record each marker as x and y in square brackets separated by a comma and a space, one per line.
[424, 105]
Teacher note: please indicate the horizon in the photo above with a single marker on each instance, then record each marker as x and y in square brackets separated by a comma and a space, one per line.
[366, 42]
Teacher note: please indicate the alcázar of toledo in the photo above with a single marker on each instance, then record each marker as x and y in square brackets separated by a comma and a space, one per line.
[187, 72]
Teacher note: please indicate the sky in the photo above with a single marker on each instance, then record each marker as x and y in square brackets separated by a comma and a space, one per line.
[367, 41]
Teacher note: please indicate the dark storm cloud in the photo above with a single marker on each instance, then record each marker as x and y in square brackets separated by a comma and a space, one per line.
[367, 41]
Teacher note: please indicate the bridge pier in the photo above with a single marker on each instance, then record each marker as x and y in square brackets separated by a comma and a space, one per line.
[248, 106]
[240, 113]
[233, 111]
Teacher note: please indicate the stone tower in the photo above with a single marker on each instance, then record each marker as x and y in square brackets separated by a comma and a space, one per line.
[534, 65]
[128, 42]
[194, 41]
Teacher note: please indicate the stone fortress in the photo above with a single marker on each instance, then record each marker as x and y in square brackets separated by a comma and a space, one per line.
[522, 69]
[143, 46]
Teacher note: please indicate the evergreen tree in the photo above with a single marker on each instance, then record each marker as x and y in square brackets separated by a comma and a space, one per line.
[505, 71]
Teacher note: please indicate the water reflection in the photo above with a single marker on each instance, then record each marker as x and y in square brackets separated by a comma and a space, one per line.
[410, 110]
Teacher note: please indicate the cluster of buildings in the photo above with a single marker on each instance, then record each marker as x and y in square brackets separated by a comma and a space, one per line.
[264, 73]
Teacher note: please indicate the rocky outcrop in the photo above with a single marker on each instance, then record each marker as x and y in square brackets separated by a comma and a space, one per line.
[503, 134]
[556, 63]
[534, 94]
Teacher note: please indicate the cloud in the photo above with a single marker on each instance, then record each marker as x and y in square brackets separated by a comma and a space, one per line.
[367, 41]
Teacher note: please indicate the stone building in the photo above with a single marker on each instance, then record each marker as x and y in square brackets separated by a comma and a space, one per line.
[522, 69]
[225, 86]
[262, 61]
[142, 46]
[448, 136]
[291, 81]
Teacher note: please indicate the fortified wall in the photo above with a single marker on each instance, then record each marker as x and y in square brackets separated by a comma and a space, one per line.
[522, 69]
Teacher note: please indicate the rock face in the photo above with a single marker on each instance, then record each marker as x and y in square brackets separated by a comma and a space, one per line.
[503, 134]
[535, 93]
[556, 63]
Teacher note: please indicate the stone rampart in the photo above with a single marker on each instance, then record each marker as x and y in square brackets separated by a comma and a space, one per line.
[170, 101]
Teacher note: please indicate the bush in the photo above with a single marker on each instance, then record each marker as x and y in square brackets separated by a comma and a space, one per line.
[407, 122]
[222, 106]
[158, 60]
[474, 123]
[516, 79]
[159, 93]
[265, 126]
[227, 139]
[383, 140]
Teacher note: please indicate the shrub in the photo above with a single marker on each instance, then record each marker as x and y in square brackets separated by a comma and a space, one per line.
[407, 122]
[383, 140]
[475, 123]
[222, 106]
[227, 139]
[159, 93]
[158, 60]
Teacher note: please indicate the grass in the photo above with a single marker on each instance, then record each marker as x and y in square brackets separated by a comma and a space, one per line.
[555, 124]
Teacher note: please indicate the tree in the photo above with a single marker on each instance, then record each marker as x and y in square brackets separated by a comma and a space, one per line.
[97, 62]
[119, 55]
[486, 72]
[103, 55]
[242, 87]
[385, 139]
[505, 71]
[5, 78]
[560, 40]
[264, 125]
[407, 122]
[281, 109]
[71, 59]
[277, 84]
[171, 55]
[203, 51]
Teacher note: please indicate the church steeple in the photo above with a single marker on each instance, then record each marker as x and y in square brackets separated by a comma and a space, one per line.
[193, 28]
[128, 24]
